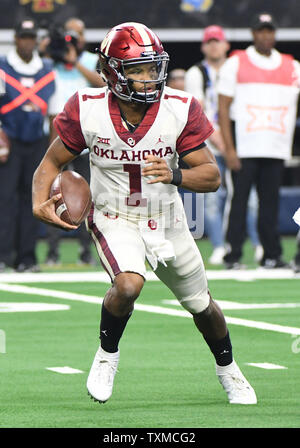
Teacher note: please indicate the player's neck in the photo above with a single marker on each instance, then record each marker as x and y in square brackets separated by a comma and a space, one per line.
[133, 112]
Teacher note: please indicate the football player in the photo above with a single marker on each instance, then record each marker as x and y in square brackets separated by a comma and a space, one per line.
[136, 131]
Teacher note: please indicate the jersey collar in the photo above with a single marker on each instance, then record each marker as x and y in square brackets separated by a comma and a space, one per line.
[131, 138]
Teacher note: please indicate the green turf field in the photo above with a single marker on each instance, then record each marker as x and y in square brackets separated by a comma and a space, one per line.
[166, 375]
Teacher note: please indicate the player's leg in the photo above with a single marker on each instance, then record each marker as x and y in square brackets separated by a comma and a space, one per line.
[186, 278]
[122, 254]
[211, 323]
[116, 310]
[117, 307]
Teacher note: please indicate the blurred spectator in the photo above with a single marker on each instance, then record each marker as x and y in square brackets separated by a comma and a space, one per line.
[264, 85]
[296, 261]
[75, 68]
[176, 79]
[201, 80]
[29, 83]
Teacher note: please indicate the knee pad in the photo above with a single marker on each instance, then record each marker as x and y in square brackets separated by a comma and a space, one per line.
[196, 303]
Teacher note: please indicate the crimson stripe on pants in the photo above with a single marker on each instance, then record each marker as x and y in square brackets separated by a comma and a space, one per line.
[104, 245]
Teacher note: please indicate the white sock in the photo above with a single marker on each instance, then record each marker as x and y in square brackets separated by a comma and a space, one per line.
[222, 370]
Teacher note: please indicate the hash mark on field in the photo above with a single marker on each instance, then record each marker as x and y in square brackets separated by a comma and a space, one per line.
[266, 365]
[64, 370]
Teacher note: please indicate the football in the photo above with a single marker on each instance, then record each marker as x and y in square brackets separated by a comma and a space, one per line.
[76, 200]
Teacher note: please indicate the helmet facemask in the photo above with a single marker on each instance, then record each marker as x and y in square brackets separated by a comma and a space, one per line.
[122, 84]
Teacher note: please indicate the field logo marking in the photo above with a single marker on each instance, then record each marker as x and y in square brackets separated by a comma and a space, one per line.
[295, 344]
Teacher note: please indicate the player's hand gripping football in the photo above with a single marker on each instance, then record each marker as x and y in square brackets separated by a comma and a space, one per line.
[46, 213]
[159, 168]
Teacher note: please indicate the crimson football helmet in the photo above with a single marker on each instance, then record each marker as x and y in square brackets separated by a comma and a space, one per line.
[130, 44]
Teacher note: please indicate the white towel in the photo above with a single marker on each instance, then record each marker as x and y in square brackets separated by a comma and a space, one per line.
[158, 248]
[296, 217]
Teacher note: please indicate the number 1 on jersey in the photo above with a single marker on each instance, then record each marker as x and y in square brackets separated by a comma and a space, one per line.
[135, 186]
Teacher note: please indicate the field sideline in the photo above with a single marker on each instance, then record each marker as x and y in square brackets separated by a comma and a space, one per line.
[166, 375]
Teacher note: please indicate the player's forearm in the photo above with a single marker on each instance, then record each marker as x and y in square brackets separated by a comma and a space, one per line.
[42, 180]
[201, 179]
[56, 157]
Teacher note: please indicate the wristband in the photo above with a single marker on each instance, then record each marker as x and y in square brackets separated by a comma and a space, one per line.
[177, 177]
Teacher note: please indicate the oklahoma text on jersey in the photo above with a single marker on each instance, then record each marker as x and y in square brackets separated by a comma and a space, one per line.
[170, 129]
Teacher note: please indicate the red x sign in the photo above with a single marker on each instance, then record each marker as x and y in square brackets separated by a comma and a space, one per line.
[26, 93]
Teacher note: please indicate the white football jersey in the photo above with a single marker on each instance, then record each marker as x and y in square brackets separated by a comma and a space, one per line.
[170, 128]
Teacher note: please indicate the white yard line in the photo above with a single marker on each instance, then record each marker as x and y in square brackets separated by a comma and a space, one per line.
[58, 277]
[65, 295]
[13, 307]
[262, 325]
[101, 276]
[50, 293]
[229, 305]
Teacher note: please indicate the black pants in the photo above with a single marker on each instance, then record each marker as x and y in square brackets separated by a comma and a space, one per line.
[266, 174]
[81, 166]
[18, 228]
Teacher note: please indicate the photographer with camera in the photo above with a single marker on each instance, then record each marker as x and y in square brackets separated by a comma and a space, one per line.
[75, 68]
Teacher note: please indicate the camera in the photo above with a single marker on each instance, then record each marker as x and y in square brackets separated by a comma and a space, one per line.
[60, 40]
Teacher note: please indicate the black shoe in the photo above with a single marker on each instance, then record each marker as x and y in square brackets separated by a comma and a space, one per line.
[86, 258]
[234, 265]
[295, 266]
[52, 260]
[2, 266]
[28, 268]
[273, 263]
